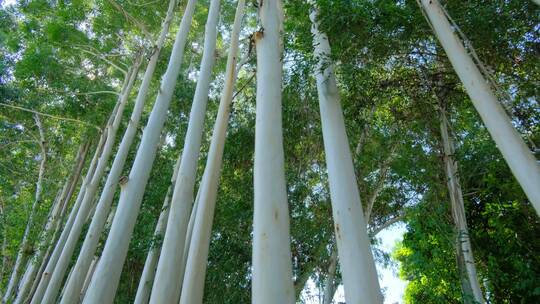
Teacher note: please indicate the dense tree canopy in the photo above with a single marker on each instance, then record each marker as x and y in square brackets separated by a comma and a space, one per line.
[66, 65]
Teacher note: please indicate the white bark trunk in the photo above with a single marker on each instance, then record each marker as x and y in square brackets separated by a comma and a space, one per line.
[105, 280]
[272, 267]
[193, 284]
[191, 223]
[33, 264]
[463, 242]
[521, 161]
[21, 255]
[51, 264]
[170, 269]
[73, 287]
[329, 283]
[88, 278]
[65, 198]
[357, 264]
[55, 284]
[150, 264]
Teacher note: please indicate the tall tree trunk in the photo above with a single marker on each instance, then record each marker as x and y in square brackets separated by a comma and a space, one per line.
[107, 274]
[521, 161]
[150, 264]
[329, 282]
[358, 267]
[51, 264]
[65, 199]
[22, 253]
[170, 269]
[73, 286]
[49, 230]
[463, 242]
[272, 267]
[193, 284]
[59, 272]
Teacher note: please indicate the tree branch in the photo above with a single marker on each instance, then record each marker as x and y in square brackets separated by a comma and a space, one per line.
[51, 116]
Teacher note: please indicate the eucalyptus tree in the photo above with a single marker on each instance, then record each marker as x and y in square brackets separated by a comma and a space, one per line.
[518, 156]
[170, 269]
[193, 282]
[76, 280]
[272, 269]
[107, 274]
[53, 225]
[21, 255]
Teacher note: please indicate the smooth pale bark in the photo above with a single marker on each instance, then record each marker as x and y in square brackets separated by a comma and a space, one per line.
[150, 264]
[51, 264]
[34, 262]
[189, 231]
[193, 284]
[74, 285]
[49, 233]
[463, 242]
[521, 161]
[272, 267]
[537, 1]
[21, 254]
[65, 199]
[356, 260]
[329, 283]
[87, 204]
[107, 274]
[88, 277]
[170, 270]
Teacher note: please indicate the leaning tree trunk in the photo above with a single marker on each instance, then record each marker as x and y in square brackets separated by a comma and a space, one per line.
[329, 284]
[193, 284]
[107, 274]
[357, 264]
[170, 270]
[149, 270]
[463, 242]
[21, 255]
[521, 161]
[51, 264]
[49, 232]
[75, 176]
[59, 272]
[272, 268]
[74, 285]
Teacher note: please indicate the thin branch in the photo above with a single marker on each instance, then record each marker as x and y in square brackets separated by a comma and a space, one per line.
[386, 224]
[100, 56]
[51, 116]
[129, 17]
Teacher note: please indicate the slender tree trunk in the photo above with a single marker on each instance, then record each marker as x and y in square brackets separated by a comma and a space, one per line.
[33, 262]
[518, 156]
[107, 274]
[59, 272]
[170, 270]
[50, 230]
[21, 255]
[193, 284]
[358, 267]
[65, 199]
[191, 223]
[51, 264]
[329, 283]
[88, 277]
[73, 287]
[463, 242]
[150, 264]
[272, 268]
